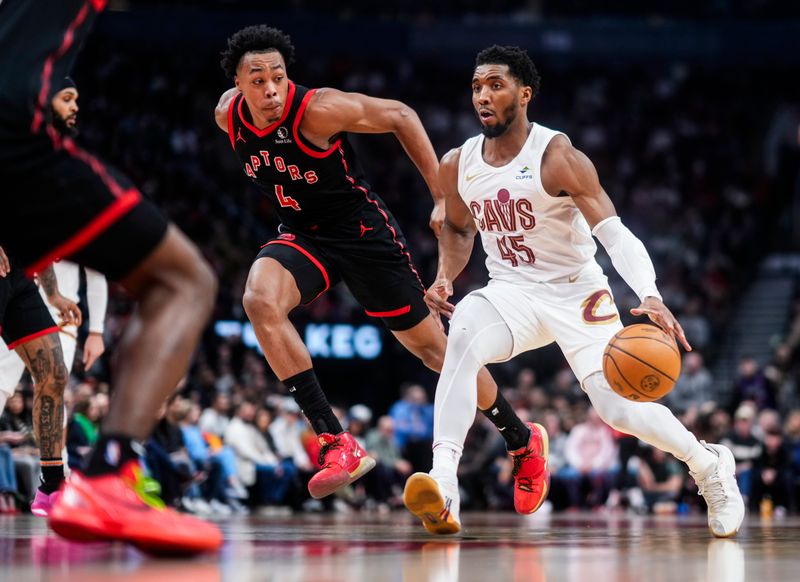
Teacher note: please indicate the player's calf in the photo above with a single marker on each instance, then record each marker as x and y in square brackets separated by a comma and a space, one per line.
[44, 360]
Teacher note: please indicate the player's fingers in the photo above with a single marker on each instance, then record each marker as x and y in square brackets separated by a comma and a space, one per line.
[682, 337]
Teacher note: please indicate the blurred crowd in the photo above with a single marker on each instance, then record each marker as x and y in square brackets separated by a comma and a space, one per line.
[684, 163]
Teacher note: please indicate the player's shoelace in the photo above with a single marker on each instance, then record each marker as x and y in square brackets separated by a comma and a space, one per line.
[713, 491]
[148, 489]
[323, 451]
[525, 483]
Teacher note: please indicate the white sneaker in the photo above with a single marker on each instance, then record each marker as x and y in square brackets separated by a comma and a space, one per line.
[435, 501]
[220, 508]
[719, 488]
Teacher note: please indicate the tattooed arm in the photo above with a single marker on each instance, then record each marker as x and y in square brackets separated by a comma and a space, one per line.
[68, 310]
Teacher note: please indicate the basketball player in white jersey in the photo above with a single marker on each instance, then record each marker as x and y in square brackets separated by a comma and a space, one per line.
[537, 201]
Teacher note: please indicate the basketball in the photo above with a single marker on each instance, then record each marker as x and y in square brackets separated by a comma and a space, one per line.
[641, 362]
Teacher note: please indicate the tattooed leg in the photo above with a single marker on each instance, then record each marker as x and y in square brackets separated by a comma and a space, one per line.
[45, 362]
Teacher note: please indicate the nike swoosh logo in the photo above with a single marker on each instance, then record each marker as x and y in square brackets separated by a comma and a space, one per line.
[573, 279]
[469, 178]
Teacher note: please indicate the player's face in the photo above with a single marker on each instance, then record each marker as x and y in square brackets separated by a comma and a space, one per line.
[65, 105]
[262, 79]
[498, 98]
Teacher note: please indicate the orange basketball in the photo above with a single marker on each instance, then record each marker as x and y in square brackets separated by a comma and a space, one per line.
[641, 362]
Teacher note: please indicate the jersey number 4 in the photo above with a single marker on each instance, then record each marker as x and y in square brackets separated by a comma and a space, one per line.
[512, 250]
[285, 201]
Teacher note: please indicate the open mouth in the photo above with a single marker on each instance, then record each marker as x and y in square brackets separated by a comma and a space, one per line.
[485, 115]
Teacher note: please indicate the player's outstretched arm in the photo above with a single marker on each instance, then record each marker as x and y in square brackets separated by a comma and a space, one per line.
[456, 240]
[331, 111]
[566, 169]
[221, 110]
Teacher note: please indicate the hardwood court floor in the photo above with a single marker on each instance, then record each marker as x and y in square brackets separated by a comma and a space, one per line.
[494, 547]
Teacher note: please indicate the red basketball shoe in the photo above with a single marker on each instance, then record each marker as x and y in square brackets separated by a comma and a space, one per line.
[111, 507]
[343, 461]
[531, 477]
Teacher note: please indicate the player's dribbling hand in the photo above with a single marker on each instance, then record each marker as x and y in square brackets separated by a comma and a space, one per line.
[436, 297]
[437, 217]
[68, 311]
[5, 265]
[663, 318]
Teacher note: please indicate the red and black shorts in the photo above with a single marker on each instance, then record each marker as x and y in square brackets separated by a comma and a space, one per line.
[72, 205]
[370, 256]
[23, 314]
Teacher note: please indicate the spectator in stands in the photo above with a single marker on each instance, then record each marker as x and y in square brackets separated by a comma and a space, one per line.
[8, 475]
[82, 431]
[413, 426]
[694, 385]
[358, 419]
[391, 470]
[772, 476]
[752, 386]
[259, 468]
[746, 448]
[215, 419]
[792, 431]
[591, 452]
[661, 479]
[169, 461]
[16, 425]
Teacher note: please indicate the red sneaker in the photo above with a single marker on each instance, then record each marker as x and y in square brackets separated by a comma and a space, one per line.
[343, 461]
[110, 508]
[531, 478]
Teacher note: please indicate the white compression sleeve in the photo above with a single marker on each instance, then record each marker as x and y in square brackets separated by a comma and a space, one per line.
[477, 336]
[628, 255]
[648, 421]
[97, 300]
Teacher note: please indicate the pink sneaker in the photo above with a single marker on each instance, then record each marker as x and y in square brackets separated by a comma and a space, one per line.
[43, 503]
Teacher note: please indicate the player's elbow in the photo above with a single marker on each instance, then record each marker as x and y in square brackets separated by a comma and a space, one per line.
[403, 116]
[221, 117]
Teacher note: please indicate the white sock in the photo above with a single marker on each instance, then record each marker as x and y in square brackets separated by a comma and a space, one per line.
[650, 422]
[445, 463]
[477, 336]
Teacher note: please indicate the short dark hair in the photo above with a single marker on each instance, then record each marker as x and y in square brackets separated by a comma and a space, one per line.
[260, 39]
[519, 64]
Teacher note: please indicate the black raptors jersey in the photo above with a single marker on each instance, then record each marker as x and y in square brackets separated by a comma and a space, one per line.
[312, 189]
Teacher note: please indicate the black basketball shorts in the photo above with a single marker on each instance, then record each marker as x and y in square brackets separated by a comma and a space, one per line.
[75, 206]
[23, 314]
[373, 262]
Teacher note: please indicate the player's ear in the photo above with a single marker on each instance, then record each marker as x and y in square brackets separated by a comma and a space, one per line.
[526, 94]
[236, 81]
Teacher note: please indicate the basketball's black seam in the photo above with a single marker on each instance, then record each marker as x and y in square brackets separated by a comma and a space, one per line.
[668, 344]
[643, 362]
[613, 361]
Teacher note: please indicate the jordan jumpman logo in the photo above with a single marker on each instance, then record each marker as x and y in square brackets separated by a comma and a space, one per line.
[364, 229]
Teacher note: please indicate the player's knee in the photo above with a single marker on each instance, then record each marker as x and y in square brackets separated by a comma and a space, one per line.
[433, 357]
[207, 284]
[617, 415]
[263, 305]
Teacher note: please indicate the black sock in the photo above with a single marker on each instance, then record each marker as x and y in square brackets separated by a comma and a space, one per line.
[110, 453]
[305, 389]
[52, 475]
[514, 431]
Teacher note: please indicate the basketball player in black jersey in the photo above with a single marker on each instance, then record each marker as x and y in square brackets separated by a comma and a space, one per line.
[292, 142]
[59, 201]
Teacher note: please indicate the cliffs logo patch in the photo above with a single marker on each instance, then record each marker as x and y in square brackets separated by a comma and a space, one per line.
[283, 135]
[524, 174]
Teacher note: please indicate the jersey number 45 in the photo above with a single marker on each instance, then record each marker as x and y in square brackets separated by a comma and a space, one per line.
[512, 250]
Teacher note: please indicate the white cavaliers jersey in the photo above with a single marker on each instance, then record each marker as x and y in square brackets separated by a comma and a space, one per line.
[528, 235]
